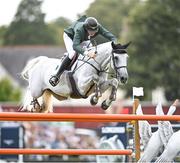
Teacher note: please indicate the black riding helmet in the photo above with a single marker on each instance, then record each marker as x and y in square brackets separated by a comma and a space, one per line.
[91, 24]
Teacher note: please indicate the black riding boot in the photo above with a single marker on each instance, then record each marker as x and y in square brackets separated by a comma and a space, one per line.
[54, 80]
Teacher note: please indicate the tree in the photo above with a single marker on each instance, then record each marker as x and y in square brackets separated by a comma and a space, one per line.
[154, 31]
[111, 14]
[8, 92]
[3, 30]
[62, 22]
[28, 26]
[59, 25]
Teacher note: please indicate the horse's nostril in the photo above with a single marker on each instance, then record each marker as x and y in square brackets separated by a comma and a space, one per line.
[123, 80]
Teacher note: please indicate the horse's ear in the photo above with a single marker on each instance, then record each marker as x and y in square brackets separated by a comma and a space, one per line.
[126, 45]
[113, 44]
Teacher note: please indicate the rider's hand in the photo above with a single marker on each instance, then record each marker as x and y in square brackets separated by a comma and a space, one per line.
[92, 54]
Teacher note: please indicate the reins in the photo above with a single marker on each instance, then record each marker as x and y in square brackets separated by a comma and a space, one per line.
[99, 70]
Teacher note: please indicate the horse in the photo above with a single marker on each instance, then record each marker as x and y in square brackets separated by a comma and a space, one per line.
[86, 76]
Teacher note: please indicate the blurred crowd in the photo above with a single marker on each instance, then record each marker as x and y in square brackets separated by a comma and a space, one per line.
[38, 135]
[61, 135]
[57, 135]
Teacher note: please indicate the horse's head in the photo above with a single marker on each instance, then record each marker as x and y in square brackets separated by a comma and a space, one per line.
[119, 61]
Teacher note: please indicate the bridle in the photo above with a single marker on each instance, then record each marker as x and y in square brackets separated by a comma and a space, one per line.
[117, 51]
[99, 68]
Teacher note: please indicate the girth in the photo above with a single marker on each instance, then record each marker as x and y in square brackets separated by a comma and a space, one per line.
[75, 92]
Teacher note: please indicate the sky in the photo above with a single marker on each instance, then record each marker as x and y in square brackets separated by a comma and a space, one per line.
[52, 8]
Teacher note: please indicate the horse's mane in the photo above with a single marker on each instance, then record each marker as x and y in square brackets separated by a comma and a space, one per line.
[100, 46]
[108, 44]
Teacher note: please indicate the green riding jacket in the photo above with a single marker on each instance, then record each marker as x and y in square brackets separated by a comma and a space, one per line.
[78, 34]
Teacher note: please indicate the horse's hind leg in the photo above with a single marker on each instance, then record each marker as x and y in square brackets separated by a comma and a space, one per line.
[35, 91]
[47, 105]
[36, 107]
[30, 101]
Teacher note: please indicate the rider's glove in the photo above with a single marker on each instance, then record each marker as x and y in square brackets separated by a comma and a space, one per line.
[90, 54]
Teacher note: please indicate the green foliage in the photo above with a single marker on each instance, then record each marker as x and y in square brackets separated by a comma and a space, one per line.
[111, 13]
[28, 26]
[3, 30]
[8, 92]
[62, 22]
[152, 26]
[154, 61]
[58, 26]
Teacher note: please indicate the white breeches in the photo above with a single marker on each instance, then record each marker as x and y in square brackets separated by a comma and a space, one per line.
[69, 45]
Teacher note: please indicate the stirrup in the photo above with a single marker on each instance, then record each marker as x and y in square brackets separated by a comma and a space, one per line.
[54, 80]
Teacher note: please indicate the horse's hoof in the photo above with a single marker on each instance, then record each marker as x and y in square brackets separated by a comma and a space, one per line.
[21, 109]
[104, 106]
[94, 100]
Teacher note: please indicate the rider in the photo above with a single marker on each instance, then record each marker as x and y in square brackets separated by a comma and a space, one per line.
[83, 29]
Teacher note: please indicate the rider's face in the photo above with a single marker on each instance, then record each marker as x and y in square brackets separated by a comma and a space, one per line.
[91, 33]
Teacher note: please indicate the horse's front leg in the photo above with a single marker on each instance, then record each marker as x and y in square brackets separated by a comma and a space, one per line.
[114, 84]
[94, 99]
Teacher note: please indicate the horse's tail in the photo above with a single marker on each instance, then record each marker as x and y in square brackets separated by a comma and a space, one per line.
[31, 63]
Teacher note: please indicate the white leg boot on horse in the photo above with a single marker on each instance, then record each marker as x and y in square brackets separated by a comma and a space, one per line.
[54, 80]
